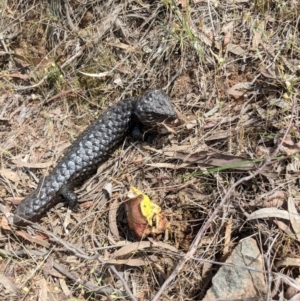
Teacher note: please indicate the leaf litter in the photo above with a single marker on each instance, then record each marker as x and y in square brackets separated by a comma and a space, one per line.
[234, 87]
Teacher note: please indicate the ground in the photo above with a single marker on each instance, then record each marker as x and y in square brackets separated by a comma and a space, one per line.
[228, 170]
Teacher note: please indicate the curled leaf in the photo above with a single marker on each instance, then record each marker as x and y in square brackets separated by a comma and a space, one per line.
[144, 217]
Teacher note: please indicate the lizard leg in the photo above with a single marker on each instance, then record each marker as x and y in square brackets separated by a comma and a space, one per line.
[70, 197]
[138, 134]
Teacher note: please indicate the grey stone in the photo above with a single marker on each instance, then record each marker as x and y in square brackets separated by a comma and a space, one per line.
[237, 282]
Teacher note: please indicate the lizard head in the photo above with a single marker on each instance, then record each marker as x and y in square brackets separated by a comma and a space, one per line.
[153, 107]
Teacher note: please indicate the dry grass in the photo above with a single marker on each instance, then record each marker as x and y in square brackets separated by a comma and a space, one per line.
[232, 71]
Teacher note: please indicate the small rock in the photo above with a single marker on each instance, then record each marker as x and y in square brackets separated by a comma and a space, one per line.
[236, 282]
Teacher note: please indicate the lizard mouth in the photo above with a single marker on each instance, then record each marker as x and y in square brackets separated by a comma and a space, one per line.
[172, 121]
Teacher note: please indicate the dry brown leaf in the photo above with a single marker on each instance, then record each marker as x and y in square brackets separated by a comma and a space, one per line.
[262, 112]
[47, 267]
[243, 86]
[14, 200]
[183, 3]
[262, 151]
[168, 129]
[8, 284]
[44, 62]
[4, 56]
[209, 159]
[62, 94]
[136, 221]
[49, 270]
[5, 218]
[213, 111]
[143, 216]
[275, 199]
[296, 297]
[218, 120]
[294, 217]
[236, 89]
[53, 272]
[219, 135]
[290, 151]
[67, 220]
[284, 227]
[239, 1]
[269, 212]
[43, 292]
[168, 165]
[288, 262]
[277, 194]
[177, 148]
[128, 48]
[291, 293]
[138, 160]
[64, 287]
[19, 163]
[108, 188]
[17, 75]
[134, 262]
[206, 269]
[112, 219]
[5, 224]
[62, 147]
[205, 37]
[86, 205]
[236, 49]
[191, 124]
[97, 75]
[293, 166]
[10, 175]
[270, 203]
[136, 246]
[28, 237]
[41, 236]
[288, 141]
[227, 238]
[227, 29]
[257, 35]
[268, 73]
[152, 149]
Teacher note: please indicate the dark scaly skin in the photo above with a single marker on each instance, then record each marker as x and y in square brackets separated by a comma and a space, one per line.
[91, 148]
